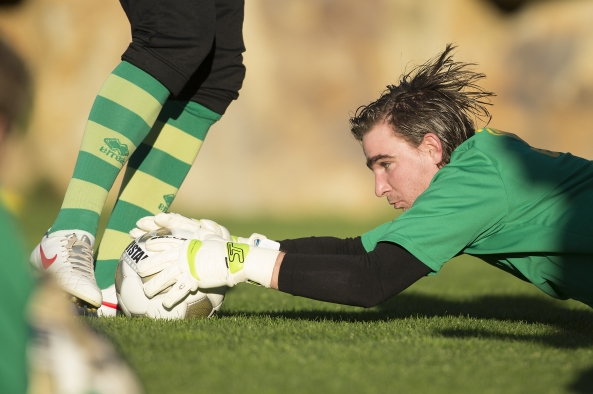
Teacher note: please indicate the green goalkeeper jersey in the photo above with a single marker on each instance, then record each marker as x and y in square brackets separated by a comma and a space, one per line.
[527, 211]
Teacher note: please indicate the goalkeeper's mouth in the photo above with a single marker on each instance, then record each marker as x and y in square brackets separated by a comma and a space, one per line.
[396, 204]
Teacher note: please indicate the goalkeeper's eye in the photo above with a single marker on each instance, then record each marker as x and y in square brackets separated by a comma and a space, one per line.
[385, 165]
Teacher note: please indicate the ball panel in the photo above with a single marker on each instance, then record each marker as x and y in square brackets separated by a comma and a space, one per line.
[130, 292]
[199, 309]
[132, 295]
[216, 296]
[119, 278]
[123, 306]
[156, 310]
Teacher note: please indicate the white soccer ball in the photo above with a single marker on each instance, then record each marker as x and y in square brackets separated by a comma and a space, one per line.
[130, 294]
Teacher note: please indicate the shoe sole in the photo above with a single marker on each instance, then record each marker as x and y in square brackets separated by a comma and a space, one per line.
[36, 263]
[83, 299]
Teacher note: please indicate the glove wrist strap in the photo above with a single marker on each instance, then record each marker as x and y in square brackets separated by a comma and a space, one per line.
[269, 244]
[259, 265]
[259, 241]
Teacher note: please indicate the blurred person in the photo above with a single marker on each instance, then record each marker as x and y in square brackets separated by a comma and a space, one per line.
[486, 193]
[43, 348]
[177, 77]
[66, 357]
[16, 283]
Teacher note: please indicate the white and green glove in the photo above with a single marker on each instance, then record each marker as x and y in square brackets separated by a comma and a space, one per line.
[200, 227]
[205, 264]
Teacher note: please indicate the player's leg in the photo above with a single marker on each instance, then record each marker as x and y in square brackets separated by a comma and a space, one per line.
[210, 91]
[153, 176]
[163, 55]
[123, 112]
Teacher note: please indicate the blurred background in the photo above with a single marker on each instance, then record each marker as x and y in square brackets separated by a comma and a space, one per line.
[284, 147]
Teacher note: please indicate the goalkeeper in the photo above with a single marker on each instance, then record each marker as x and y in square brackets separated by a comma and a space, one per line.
[177, 77]
[486, 193]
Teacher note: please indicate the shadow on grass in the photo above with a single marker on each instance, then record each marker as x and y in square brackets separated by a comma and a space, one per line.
[584, 383]
[561, 338]
[573, 329]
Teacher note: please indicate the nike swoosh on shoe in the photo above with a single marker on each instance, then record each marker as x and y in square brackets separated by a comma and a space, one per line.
[45, 262]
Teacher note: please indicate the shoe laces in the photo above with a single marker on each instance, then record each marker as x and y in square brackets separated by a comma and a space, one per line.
[80, 255]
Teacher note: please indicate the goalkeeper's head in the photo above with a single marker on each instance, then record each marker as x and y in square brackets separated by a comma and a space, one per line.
[15, 91]
[440, 96]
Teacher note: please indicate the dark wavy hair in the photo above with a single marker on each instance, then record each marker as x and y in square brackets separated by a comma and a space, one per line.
[440, 96]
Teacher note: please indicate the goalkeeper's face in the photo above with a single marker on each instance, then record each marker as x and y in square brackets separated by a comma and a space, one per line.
[402, 172]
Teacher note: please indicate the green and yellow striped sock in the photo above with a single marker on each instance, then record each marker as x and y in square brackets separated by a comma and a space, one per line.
[154, 174]
[123, 113]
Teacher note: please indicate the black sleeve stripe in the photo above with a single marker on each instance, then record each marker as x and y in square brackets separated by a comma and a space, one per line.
[323, 245]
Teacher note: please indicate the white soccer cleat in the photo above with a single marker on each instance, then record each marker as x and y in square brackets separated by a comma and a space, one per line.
[67, 256]
[109, 305]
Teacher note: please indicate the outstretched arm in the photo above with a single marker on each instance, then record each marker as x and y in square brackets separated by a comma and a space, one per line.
[353, 279]
[322, 268]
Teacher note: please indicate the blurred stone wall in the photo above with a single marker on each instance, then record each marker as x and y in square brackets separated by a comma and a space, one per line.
[284, 147]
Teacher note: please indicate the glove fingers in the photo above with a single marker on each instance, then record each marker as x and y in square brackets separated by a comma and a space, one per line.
[158, 262]
[216, 228]
[162, 244]
[226, 234]
[203, 234]
[162, 280]
[147, 224]
[179, 291]
[175, 220]
[209, 225]
[136, 233]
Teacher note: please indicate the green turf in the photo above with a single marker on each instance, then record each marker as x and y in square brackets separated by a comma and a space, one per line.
[470, 329]
[496, 337]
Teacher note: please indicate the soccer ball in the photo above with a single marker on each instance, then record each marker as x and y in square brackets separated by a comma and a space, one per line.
[130, 294]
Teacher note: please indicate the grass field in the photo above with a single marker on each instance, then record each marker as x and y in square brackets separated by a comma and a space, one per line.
[470, 329]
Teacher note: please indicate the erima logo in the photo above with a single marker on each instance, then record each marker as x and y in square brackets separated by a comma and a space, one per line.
[168, 200]
[135, 253]
[115, 149]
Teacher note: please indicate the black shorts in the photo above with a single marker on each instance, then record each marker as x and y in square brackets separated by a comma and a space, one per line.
[193, 47]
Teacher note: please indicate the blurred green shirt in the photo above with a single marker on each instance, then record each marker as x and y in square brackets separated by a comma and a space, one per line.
[15, 288]
[527, 211]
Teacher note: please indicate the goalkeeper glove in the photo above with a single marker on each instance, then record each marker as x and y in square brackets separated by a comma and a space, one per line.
[174, 220]
[212, 263]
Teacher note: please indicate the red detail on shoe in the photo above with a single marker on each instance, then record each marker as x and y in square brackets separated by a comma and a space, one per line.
[110, 305]
[45, 262]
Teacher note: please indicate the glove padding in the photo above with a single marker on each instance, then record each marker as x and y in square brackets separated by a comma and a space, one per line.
[175, 220]
[200, 227]
[212, 263]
